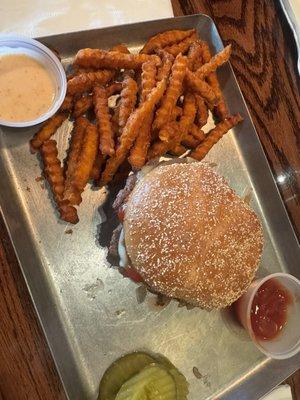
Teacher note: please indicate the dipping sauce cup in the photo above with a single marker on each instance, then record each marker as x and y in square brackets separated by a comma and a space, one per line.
[277, 296]
[18, 45]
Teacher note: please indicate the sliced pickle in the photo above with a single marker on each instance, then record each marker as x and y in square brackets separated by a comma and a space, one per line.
[181, 382]
[154, 382]
[121, 371]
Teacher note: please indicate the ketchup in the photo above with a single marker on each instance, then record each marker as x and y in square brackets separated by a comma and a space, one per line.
[269, 310]
[132, 274]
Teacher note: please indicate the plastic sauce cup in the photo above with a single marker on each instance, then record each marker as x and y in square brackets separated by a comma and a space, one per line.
[15, 44]
[287, 343]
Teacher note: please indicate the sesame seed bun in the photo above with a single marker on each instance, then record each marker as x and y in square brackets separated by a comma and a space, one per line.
[190, 236]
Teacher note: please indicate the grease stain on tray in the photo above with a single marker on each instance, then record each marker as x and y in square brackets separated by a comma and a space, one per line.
[141, 293]
[197, 373]
[120, 313]
[92, 289]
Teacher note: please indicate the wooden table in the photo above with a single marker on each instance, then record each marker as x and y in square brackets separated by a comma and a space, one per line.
[264, 61]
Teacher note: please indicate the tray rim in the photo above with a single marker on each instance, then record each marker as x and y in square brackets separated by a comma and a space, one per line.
[283, 368]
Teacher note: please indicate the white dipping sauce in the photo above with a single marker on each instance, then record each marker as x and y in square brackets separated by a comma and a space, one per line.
[26, 88]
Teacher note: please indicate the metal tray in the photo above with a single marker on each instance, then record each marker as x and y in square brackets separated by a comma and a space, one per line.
[291, 9]
[90, 315]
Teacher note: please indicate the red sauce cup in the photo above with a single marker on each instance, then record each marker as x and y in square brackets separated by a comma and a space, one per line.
[287, 343]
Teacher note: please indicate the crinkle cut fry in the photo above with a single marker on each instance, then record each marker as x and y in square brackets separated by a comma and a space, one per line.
[77, 136]
[97, 58]
[67, 104]
[54, 174]
[167, 140]
[106, 135]
[195, 56]
[166, 38]
[85, 81]
[178, 150]
[79, 71]
[148, 78]
[186, 120]
[127, 100]
[196, 132]
[158, 149]
[138, 153]
[173, 133]
[202, 88]
[215, 62]
[139, 150]
[169, 132]
[188, 115]
[115, 120]
[167, 62]
[82, 105]
[215, 135]
[86, 158]
[121, 48]
[181, 47]
[53, 169]
[113, 88]
[190, 141]
[131, 131]
[202, 111]
[164, 112]
[221, 109]
[96, 170]
[176, 113]
[47, 130]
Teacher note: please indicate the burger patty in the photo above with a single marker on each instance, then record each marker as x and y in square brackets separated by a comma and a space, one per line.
[118, 207]
[113, 253]
[124, 193]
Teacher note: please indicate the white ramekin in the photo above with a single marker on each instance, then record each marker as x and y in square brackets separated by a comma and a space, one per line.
[15, 44]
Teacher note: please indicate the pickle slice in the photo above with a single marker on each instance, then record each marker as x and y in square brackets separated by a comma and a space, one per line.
[154, 382]
[179, 378]
[121, 371]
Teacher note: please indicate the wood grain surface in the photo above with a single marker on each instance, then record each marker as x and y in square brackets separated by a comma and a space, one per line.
[27, 369]
[264, 61]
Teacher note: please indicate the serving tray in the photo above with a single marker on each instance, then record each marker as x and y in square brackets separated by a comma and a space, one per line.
[89, 313]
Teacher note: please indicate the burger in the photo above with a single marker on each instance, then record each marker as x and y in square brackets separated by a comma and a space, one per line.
[187, 235]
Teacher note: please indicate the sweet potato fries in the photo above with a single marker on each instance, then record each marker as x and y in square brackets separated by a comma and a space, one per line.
[129, 108]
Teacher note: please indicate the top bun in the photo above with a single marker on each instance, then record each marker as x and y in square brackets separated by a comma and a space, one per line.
[190, 236]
